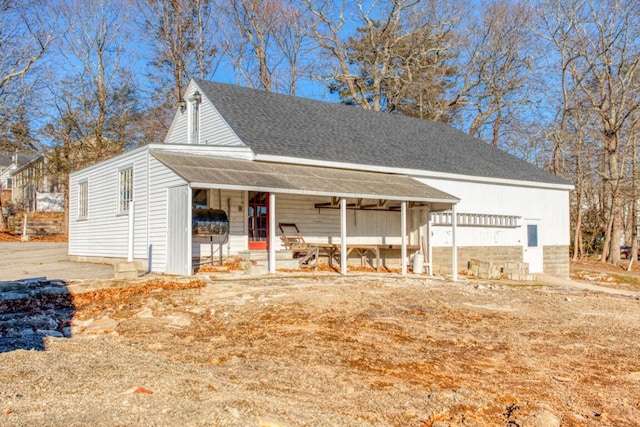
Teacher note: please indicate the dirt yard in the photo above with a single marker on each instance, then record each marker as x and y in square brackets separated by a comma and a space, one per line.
[325, 351]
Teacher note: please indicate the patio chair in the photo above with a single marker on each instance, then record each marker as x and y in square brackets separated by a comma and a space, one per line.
[293, 240]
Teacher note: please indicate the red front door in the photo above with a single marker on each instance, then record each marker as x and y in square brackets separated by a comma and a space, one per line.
[258, 220]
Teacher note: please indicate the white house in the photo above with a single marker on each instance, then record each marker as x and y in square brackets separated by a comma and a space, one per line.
[346, 177]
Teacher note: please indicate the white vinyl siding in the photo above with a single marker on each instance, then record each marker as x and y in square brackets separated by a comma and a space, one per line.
[179, 130]
[104, 233]
[323, 225]
[214, 130]
[178, 255]
[161, 178]
[549, 206]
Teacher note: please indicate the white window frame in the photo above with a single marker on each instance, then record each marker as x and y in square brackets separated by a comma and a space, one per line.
[83, 199]
[125, 189]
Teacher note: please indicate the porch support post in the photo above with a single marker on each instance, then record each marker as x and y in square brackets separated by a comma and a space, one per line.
[403, 234]
[429, 247]
[189, 224]
[272, 233]
[343, 236]
[454, 246]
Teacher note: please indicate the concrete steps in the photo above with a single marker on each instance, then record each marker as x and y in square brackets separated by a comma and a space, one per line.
[126, 270]
[264, 255]
[260, 261]
[38, 225]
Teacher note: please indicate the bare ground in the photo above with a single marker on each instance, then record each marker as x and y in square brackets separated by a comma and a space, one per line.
[311, 351]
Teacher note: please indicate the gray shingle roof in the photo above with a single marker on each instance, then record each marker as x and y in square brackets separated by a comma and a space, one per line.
[6, 158]
[281, 125]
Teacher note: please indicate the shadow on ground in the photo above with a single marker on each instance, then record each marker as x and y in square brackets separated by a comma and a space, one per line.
[31, 310]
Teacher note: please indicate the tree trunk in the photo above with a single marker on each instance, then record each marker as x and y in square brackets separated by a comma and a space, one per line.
[634, 205]
[263, 68]
[3, 222]
[634, 241]
[606, 247]
[614, 253]
[577, 241]
[497, 123]
[67, 214]
[611, 145]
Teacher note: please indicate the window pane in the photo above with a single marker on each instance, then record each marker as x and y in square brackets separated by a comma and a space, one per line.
[200, 199]
[195, 122]
[532, 236]
[126, 190]
[83, 199]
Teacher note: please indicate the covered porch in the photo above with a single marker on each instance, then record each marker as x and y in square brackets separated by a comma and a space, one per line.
[338, 211]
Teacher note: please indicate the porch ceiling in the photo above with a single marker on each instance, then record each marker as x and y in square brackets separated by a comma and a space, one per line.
[215, 172]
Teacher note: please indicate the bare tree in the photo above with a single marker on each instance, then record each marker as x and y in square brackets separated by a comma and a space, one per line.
[24, 39]
[268, 41]
[96, 83]
[611, 53]
[93, 104]
[571, 136]
[498, 66]
[292, 37]
[254, 21]
[633, 256]
[568, 144]
[399, 58]
[600, 46]
[182, 36]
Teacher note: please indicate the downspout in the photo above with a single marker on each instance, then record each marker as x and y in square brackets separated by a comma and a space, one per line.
[149, 254]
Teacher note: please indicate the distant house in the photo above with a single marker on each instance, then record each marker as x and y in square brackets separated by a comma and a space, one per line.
[6, 166]
[9, 162]
[348, 179]
[35, 188]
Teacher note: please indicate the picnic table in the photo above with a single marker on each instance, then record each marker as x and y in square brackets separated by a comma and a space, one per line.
[333, 251]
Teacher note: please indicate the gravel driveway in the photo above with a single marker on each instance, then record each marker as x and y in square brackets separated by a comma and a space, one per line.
[355, 351]
[20, 260]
